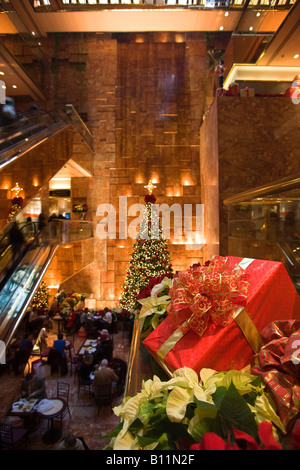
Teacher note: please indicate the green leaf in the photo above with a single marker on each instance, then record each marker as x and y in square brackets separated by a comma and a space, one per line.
[113, 433]
[234, 411]
[202, 427]
[219, 395]
[147, 323]
[204, 404]
[146, 441]
[146, 409]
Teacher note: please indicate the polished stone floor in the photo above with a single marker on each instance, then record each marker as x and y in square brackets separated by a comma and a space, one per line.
[85, 421]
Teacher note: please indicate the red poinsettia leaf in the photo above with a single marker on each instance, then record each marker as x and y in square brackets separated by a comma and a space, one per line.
[249, 443]
[212, 441]
[267, 438]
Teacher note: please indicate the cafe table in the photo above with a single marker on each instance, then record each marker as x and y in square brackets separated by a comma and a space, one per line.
[50, 409]
[89, 347]
[26, 409]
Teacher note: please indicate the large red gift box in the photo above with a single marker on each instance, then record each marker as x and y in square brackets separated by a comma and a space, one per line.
[271, 296]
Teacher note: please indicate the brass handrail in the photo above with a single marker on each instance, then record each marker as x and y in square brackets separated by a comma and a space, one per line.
[276, 187]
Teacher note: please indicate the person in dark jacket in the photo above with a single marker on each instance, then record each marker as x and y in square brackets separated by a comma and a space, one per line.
[17, 241]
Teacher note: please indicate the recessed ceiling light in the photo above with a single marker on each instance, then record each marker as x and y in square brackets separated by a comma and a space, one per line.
[258, 13]
[14, 86]
[251, 28]
[33, 33]
[296, 56]
[226, 13]
[1, 73]
[221, 28]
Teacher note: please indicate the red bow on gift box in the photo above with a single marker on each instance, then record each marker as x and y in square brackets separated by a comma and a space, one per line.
[207, 295]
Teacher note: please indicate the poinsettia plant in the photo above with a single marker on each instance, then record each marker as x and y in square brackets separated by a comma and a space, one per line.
[72, 299]
[179, 412]
[80, 208]
[154, 299]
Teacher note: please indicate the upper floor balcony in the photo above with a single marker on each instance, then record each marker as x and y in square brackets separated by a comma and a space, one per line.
[75, 5]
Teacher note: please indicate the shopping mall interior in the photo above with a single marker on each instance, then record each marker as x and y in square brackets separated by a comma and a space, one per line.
[111, 108]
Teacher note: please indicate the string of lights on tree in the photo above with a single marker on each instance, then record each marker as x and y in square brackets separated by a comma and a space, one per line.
[41, 297]
[150, 257]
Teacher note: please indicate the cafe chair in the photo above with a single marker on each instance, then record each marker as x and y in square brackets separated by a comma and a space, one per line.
[84, 386]
[103, 395]
[21, 361]
[63, 391]
[74, 360]
[57, 361]
[11, 436]
[69, 344]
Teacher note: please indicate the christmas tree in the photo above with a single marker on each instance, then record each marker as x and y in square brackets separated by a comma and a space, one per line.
[150, 257]
[41, 297]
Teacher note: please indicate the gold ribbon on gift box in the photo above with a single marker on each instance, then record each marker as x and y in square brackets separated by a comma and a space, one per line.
[238, 313]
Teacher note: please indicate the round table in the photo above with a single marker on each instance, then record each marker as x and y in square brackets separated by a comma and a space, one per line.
[52, 435]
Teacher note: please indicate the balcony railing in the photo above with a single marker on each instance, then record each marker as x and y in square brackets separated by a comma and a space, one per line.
[264, 223]
[74, 5]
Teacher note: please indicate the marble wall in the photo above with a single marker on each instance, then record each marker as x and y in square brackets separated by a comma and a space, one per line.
[144, 96]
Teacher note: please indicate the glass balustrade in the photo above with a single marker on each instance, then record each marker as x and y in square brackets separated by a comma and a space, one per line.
[264, 223]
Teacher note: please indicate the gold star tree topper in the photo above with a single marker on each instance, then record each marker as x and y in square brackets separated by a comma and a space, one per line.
[150, 186]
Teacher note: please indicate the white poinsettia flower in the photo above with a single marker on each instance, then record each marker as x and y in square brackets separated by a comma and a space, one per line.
[153, 305]
[264, 411]
[177, 401]
[166, 283]
[125, 442]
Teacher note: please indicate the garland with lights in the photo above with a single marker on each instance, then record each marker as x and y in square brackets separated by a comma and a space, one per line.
[150, 257]
[17, 203]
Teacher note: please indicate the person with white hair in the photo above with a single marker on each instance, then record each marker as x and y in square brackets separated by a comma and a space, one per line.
[105, 375]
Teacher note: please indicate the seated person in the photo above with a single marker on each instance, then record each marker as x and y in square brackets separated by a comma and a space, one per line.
[106, 321]
[70, 442]
[99, 353]
[33, 386]
[71, 320]
[104, 335]
[23, 353]
[86, 369]
[105, 375]
[60, 344]
[26, 344]
[41, 342]
[83, 317]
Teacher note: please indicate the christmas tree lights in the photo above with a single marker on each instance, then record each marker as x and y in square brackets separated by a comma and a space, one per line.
[150, 257]
[41, 297]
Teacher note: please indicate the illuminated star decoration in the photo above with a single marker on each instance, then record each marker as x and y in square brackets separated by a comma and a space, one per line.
[16, 190]
[150, 186]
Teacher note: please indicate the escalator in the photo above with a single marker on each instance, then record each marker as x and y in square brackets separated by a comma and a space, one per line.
[35, 127]
[21, 281]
